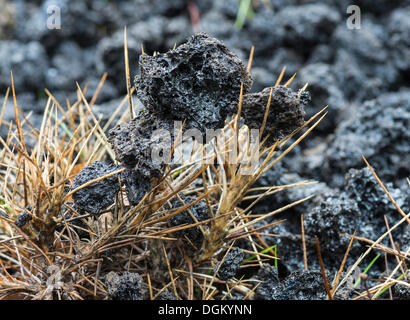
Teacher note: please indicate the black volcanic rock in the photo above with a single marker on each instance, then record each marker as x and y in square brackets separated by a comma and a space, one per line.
[286, 112]
[199, 81]
[99, 195]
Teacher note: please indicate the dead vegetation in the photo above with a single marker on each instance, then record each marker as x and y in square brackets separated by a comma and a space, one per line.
[55, 255]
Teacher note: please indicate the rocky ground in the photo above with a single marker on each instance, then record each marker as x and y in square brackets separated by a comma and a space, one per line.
[363, 76]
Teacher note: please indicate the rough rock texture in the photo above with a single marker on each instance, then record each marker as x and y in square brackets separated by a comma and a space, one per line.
[201, 213]
[300, 285]
[378, 130]
[127, 286]
[268, 273]
[334, 215]
[230, 265]
[23, 217]
[134, 142]
[136, 186]
[371, 199]
[401, 291]
[99, 195]
[166, 295]
[199, 81]
[176, 86]
[361, 207]
[286, 112]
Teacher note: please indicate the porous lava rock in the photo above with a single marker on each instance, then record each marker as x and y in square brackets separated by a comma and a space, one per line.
[378, 129]
[23, 217]
[127, 286]
[98, 195]
[230, 265]
[362, 207]
[136, 186]
[134, 142]
[401, 291]
[198, 81]
[300, 285]
[286, 111]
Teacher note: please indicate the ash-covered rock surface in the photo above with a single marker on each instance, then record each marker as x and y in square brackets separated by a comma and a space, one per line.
[98, 195]
[401, 291]
[230, 265]
[134, 143]
[300, 285]
[378, 130]
[199, 81]
[127, 286]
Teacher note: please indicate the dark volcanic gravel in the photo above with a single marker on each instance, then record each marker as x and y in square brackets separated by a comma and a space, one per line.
[401, 291]
[379, 130]
[27, 61]
[300, 285]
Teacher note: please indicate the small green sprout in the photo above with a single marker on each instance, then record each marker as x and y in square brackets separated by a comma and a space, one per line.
[244, 11]
[366, 270]
[264, 251]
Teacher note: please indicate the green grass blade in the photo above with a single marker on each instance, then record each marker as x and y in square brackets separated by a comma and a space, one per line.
[387, 288]
[263, 251]
[244, 7]
[366, 270]
[62, 125]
